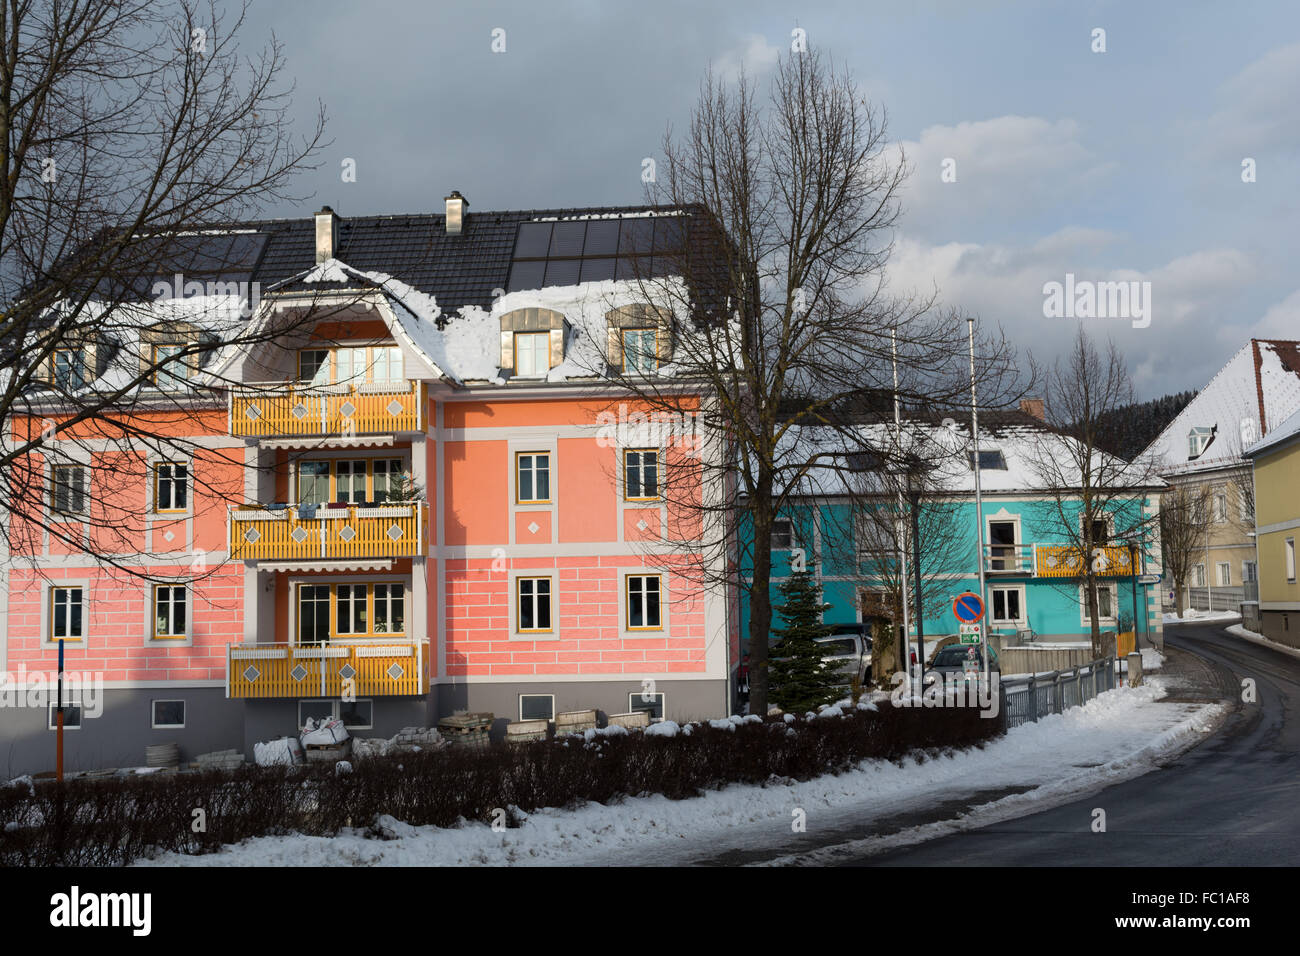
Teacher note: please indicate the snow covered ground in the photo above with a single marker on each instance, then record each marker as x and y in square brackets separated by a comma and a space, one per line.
[1119, 735]
[1191, 614]
[1257, 638]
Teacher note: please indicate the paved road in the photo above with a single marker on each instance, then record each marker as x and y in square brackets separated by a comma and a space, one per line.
[1232, 800]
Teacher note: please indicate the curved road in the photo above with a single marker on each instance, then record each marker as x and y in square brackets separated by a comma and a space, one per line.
[1232, 800]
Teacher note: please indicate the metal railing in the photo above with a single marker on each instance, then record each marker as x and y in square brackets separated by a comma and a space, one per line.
[1025, 699]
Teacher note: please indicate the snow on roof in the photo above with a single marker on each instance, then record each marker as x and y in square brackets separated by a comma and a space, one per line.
[1262, 377]
[1024, 448]
[1284, 432]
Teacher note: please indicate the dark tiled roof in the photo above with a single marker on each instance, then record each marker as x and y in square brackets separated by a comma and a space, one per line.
[456, 270]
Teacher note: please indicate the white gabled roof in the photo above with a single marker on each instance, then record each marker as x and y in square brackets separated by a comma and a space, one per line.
[1252, 395]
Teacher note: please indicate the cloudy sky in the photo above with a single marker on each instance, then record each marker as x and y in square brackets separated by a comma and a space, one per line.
[1123, 164]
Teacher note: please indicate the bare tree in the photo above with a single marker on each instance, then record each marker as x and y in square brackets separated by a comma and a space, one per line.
[1185, 519]
[1096, 504]
[135, 137]
[781, 319]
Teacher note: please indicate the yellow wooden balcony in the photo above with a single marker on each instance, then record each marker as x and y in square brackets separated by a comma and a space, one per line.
[1065, 561]
[373, 667]
[258, 533]
[292, 409]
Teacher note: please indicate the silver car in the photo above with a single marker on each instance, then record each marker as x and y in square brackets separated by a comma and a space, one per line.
[849, 651]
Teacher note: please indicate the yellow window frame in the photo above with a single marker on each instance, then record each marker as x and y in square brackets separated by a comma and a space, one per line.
[157, 483]
[51, 637]
[627, 600]
[550, 594]
[549, 483]
[549, 357]
[658, 481]
[188, 614]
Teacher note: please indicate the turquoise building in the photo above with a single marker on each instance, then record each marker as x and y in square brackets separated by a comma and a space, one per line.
[848, 535]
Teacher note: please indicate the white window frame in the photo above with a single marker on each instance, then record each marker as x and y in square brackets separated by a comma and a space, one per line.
[1220, 504]
[1224, 569]
[153, 714]
[1005, 517]
[1102, 619]
[1251, 575]
[1288, 550]
[532, 352]
[1020, 621]
[794, 541]
[663, 703]
[73, 699]
[1198, 576]
[520, 702]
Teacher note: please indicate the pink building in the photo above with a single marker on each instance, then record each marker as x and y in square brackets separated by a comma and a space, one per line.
[427, 491]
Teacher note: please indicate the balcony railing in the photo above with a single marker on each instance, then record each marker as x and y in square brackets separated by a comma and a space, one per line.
[258, 533]
[1055, 560]
[1066, 561]
[360, 668]
[1009, 558]
[292, 409]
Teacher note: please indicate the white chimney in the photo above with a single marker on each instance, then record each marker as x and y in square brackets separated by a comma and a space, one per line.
[456, 206]
[327, 234]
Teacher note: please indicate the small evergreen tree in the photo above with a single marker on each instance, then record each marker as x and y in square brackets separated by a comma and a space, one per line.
[800, 680]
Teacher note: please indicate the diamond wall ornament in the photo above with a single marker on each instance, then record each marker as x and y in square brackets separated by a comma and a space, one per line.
[300, 535]
[533, 527]
[251, 673]
[347, 533]
[253, 412]
[395, 671]
[347, 672]
[298, 673]
[347, 409]
[395, 408]
[299, 411]
[641, 525]
[395, 532]
[168, 537]
[252, 536]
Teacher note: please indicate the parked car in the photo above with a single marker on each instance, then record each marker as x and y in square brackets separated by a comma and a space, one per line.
[849, 650]
[954, 659]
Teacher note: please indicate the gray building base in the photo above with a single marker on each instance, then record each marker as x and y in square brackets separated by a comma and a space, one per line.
[1281, 626]
[119, 735]
[683, 699]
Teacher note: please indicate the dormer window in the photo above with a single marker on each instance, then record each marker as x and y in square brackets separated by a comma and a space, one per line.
[351, 365]
[640, 352]
[532, 353]
[532, 341]
[69, 369]
[1199, 439]
[170, 372]
[640, 338]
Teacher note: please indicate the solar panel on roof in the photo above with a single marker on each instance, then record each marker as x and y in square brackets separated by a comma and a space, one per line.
[602, 238]
[562, 271]
[534, 240]
[598, 270]
[567, 239]
[636, 236]
[526, 275]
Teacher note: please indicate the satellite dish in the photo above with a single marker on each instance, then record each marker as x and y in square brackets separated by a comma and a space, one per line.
[950, 424]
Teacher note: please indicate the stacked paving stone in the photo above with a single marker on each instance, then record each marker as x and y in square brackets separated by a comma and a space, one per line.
[466, 730]
[426, 738]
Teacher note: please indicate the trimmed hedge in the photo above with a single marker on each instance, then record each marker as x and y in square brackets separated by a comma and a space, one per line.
[112, 821]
